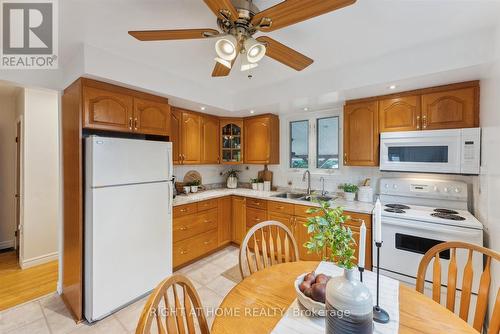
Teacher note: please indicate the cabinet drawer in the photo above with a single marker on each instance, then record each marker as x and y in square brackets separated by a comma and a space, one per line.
[257, 203]
[184, 210]
[207, 205]
[188, 226]
[301, 211]
[280, 207]
[356, 219]
[255, 216]
[189, 249]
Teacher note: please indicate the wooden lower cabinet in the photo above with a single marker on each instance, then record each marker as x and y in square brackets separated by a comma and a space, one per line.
[225, 220]
[255, 216]
[195, 247]
[238, 208]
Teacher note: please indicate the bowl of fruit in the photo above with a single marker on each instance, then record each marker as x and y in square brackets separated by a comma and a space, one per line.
[311, 292]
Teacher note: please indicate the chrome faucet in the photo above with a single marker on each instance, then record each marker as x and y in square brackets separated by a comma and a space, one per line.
[323, 192]
[308, 173]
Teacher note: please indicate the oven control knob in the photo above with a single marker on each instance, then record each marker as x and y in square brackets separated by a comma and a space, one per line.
[457, 190]
[446, 190]
[435, 188]
[387, 186]
[395, 186]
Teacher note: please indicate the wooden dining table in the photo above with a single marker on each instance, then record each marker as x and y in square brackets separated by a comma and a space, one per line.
[258, 303]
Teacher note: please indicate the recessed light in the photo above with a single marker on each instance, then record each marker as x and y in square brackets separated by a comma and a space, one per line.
[203, 108]
[252, 111]
[306, 109]
[392, 87]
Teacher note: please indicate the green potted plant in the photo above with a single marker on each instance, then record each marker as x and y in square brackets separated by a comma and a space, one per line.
[254, 183]
[330, 236]
[350, 191]
[232, 178]
[194, 185]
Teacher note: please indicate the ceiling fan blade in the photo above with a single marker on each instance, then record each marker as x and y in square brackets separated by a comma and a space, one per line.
[294, 11]
[284, 54]
[164, 35]
[223, 9]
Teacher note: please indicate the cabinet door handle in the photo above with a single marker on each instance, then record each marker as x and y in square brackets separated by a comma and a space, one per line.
[183, 228]
[183, 210]
[345, 158]
[135, 123]
[418, 123]
[183, 252]
[207, 221]
[206, 242]
[130, 123]
[424, 119]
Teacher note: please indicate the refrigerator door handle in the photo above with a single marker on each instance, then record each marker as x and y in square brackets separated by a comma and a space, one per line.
[170, 164]
[170, 197]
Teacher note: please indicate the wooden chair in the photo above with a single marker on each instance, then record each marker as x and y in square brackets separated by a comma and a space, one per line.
[266, 244]
[484, 283]
[166, 312]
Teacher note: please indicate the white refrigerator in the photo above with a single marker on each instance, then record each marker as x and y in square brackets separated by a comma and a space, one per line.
[128, 221]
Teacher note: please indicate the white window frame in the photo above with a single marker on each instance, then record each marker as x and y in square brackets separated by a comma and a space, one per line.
[313, 151]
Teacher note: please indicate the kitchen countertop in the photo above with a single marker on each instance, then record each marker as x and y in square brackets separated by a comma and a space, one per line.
[356, 206]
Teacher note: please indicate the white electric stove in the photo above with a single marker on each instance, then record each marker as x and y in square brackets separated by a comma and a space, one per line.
[418, 214]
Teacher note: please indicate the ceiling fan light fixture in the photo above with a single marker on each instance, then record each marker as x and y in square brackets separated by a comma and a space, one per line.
[226, 47]
[224, 62]
[255, 50]
[246, 65]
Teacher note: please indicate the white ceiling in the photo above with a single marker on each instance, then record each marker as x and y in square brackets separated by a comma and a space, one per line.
[357, 50]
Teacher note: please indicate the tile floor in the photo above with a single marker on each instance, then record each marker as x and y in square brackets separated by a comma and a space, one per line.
[48, 315]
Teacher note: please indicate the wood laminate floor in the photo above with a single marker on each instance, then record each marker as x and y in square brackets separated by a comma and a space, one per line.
[18, 286]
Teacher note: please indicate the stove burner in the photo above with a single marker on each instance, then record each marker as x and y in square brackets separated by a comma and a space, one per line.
[394, 210]
[447, 216]
[397, 206]
[446, 211]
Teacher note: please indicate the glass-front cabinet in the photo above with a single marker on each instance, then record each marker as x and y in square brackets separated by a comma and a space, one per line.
[231, 143]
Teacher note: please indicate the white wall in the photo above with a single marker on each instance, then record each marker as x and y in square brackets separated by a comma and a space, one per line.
[488, 208]
[40, 177]
[7, 170]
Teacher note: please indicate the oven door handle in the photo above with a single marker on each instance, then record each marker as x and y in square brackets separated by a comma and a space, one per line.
[435, 228]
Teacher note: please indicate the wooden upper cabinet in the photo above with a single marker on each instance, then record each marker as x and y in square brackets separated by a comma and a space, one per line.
[191, 138]
[151, 117]
[400, 114]
[261, 139]
[210, 140]
[231, 141]
[107, 110]
[450, 109]
[175, 135]
[361, 134]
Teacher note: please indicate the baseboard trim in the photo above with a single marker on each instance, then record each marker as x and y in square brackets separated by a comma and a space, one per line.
[39, 260]
[7, 244]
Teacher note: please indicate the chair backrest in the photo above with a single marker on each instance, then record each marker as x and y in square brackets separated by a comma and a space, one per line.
[266, 244]
[466, 288]
[169, 311]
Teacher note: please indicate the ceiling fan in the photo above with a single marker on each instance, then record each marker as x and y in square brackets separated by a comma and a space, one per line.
[239, 20]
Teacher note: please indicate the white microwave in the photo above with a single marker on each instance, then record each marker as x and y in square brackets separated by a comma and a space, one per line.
[456, 151]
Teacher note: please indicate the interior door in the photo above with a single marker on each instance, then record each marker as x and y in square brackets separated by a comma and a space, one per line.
[191, 138]
[151, 117]
[18, 190]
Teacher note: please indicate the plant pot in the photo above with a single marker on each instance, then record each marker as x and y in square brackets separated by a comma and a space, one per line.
[349, 196]
[267, 185]
[194, 189]
[232, 182]
[187, 189]
[260, 186]
[349, 307]
[254, 186]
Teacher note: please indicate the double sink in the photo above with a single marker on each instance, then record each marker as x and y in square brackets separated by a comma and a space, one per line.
[304, 197]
